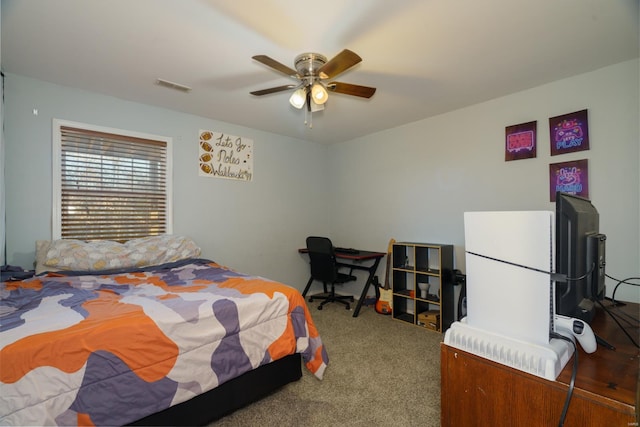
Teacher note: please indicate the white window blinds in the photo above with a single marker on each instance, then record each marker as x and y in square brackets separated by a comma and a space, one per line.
[111, 186]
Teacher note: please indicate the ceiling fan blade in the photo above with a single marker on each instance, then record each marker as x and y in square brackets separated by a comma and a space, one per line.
[272, 90]
[349, 89]
[270, 62]
[338, 64]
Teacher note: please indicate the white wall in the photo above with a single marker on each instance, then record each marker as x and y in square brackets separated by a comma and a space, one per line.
[414, 182]
[254, 227]
[2, 179]
[410, 183]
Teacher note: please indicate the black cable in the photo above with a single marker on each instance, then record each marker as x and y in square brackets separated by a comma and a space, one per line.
[618, 323]
[584, 276]
[628, 318]
[574, 373]
[509, 262]
[554, 276]
[620, 282]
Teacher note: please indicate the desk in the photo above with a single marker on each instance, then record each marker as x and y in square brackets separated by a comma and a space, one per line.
[478, 391]
[351, 260]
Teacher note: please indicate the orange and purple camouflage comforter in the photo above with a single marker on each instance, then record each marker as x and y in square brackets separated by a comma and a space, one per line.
[108, 349]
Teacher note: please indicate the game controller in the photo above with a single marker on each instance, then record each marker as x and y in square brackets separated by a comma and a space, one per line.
[578, 329]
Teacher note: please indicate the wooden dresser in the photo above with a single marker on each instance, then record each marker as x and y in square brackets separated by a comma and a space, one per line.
[479, 392]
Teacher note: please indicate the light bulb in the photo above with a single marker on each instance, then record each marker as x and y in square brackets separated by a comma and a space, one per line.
[319, 93]
[298, 98]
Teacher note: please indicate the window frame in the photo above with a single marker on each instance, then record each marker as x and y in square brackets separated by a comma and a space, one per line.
[56, 181]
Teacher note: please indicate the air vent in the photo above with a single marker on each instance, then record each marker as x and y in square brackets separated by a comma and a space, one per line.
[173, 85]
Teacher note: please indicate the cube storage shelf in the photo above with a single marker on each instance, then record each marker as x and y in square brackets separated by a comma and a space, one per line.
[422, 283]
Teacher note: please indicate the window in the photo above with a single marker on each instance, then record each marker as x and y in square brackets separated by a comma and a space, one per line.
[109, 184]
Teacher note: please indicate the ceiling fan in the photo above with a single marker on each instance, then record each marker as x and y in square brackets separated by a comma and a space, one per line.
[311, 69]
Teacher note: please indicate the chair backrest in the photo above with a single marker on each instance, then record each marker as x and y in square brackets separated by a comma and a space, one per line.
[323, 259]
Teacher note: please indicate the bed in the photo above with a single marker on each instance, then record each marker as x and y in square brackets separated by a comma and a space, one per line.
[173, 339]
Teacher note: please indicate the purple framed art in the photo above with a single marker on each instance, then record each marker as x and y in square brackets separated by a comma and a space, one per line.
[569, 177]
[520, 141]
[569, 133]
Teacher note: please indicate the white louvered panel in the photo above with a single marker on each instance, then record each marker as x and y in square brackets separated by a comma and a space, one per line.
[542, 361]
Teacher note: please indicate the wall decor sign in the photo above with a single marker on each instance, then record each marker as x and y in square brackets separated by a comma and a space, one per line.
[225, 156]
[569, 177]
[520, 141]
[569, 133]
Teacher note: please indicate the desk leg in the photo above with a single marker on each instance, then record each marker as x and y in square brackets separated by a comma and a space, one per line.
[365, 289]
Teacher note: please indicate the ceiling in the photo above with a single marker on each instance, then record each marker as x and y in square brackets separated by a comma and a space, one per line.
[425, 57]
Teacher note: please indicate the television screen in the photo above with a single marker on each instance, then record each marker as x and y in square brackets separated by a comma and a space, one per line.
[580, 257]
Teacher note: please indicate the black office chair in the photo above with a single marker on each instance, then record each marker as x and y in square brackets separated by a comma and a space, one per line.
[324, 268]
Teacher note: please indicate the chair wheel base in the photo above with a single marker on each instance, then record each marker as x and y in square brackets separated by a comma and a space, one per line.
[329, 297]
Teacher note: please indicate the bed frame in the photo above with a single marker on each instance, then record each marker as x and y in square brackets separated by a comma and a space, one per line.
[230, 396]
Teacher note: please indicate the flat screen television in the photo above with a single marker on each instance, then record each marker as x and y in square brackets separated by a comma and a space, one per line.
[580, 257]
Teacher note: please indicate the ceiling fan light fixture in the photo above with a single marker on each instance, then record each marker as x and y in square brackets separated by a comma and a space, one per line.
[298, 98]
[310, 71]
[314, 106]
[319, 93]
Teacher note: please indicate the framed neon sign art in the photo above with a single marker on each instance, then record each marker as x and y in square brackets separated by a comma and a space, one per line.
[569, 177]
[569, 133]
[520, 141]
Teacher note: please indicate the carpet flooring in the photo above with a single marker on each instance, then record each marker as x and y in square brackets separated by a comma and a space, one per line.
[381, 372]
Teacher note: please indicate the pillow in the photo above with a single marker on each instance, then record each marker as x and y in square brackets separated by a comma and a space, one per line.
[97, 255]
[42, 247]
[155, 250]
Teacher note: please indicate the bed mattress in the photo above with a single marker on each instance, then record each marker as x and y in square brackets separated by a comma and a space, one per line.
[109, 349]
